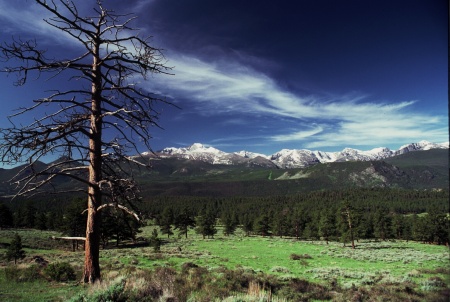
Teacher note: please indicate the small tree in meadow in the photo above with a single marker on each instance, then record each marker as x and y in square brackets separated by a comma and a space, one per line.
[184, 221]
[155, 241]
[206, 224]
[166, 221]
[15, 250]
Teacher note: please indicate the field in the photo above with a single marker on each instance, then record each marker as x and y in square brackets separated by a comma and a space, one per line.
[238, 268]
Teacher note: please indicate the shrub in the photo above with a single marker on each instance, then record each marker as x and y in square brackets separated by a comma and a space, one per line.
[15, 274]
[280, 269]
[60, 271]
[115, 292]
[12, 273]
[432, 283]
[300, 257]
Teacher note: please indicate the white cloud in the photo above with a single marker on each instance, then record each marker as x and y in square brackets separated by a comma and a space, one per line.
[298, 135]
[227, 87]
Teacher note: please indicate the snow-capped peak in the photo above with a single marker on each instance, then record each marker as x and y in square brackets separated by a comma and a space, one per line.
[248, 154]
[291, 158]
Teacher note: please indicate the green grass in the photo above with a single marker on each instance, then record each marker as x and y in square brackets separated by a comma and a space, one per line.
[36, 291]
[391, 261]
[370, 264]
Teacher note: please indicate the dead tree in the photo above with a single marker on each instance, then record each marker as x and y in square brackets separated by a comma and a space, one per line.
[105, 100]
[347, 215]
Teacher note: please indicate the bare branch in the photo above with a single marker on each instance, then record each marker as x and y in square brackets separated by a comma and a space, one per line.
[104, 99]
[123, 208]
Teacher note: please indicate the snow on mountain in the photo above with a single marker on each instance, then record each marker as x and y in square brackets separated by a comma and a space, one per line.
[215, 156]
[294, 158]
[422, 145]
[248, 154]
[291, 158]
[199, 152]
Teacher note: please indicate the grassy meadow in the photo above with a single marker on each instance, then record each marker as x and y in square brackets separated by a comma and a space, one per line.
[234, 268]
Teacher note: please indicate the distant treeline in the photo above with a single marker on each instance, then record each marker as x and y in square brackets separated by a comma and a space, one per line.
[421, 215]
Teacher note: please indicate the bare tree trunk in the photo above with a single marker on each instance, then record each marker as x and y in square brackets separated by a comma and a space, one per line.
[92, 245]
[350, 227]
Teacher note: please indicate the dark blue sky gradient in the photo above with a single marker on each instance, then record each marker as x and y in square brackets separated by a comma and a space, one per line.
[265, 75]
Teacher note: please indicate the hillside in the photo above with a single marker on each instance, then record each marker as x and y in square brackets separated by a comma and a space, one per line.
[413, 170]
[179, 176]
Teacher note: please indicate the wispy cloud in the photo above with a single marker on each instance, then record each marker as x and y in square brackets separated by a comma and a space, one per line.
[298, 135]
[226, 87]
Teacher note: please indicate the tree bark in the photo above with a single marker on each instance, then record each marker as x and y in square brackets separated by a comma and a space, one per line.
[92, 246]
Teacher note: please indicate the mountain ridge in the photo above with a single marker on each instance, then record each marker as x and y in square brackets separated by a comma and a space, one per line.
[289, 158]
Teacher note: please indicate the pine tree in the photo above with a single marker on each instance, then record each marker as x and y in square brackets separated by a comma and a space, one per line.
[183, 222]
[327, 225]
[206, 224]
[281, 225]
[382, 224]
[229, 222]
[166, 221]
[41, 221]
[15, 250]
[247, 224]
[29, 215]
[155, 242]
[348, 222]
[6, 217]
[262, 225]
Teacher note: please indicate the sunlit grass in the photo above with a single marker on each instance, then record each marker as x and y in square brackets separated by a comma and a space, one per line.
[371, 263]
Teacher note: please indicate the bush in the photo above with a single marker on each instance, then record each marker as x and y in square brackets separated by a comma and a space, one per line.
[60, 271]
[300, 257]
[15, 274]
[115, 292]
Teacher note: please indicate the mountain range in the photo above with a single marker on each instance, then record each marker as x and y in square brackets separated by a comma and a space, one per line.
[288, 158]
[200, 170]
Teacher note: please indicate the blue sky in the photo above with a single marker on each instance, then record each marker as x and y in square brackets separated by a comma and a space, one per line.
[265, 75]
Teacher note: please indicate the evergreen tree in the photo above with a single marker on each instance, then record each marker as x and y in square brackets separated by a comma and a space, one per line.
[41, 221]
[18, 217]
[327, 224]
[348, 222]
[382, 224]
[119, 226]
[29, 218]
[51, 221]
[166, 221]
[399, 226]
[299, 218]
[365, 224]
[155, 242]
[262, 225]
[281, 224]
[312, 227]
[15, 250]
[420, 229]
[438, 227]
[247, 224]
[229, 222]
[184, 221]
[72, 223]
[6, 217]
[206, 224]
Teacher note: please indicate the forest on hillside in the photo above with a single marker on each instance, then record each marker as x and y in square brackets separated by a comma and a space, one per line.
[344, 215]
